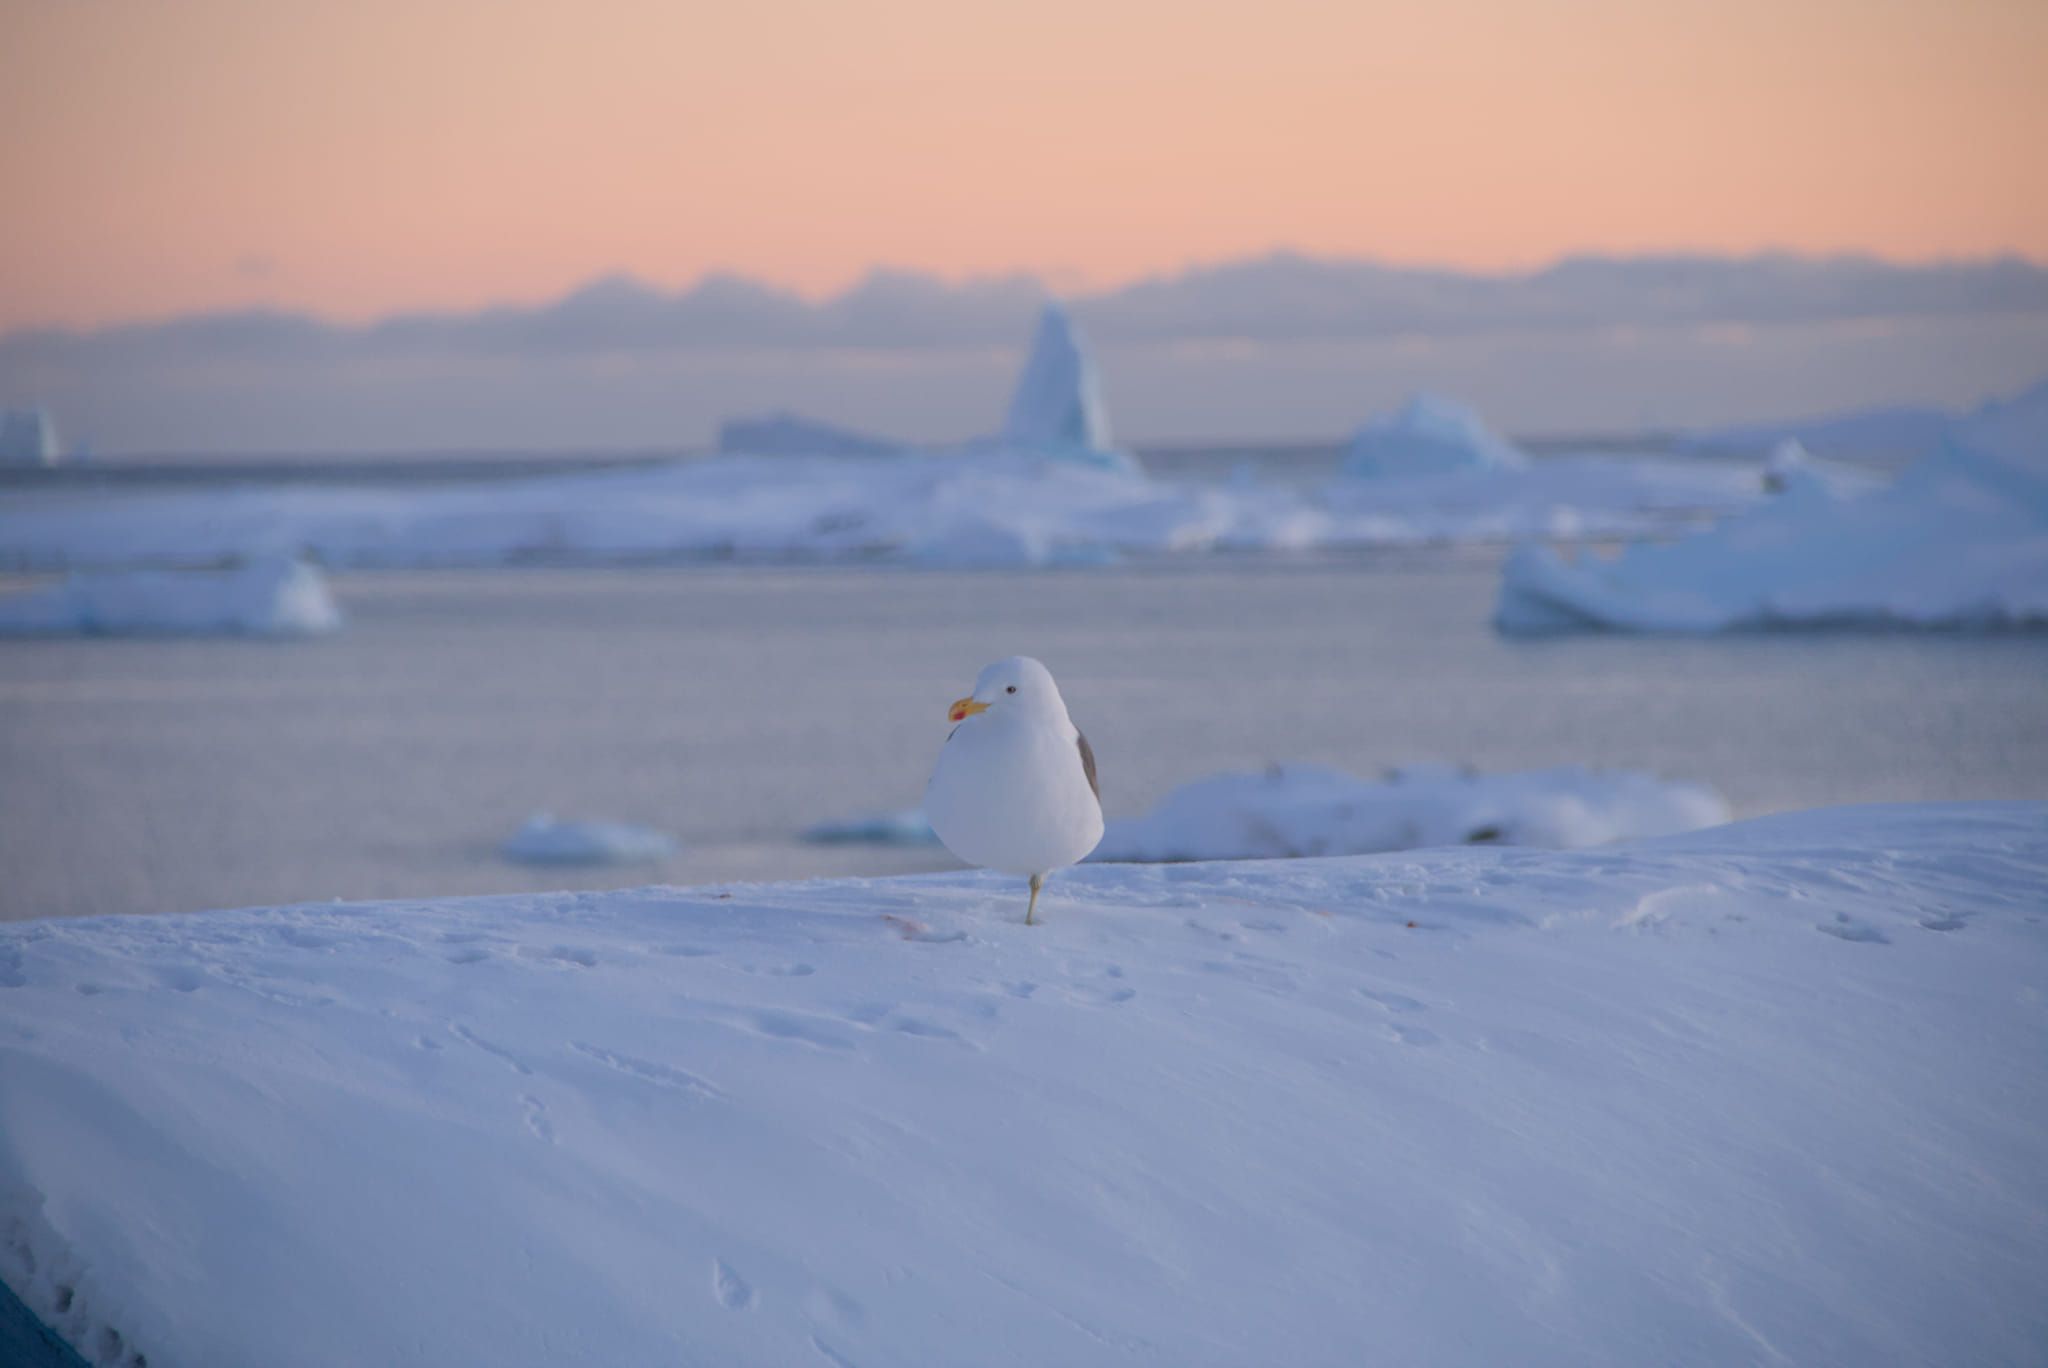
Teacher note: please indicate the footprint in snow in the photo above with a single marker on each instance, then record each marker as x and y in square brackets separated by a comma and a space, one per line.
[734, 1293]
[1845, 927]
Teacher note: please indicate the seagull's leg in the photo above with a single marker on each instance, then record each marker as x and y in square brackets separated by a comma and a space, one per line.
[1037, 882]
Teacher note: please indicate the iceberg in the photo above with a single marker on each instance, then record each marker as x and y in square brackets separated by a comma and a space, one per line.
[791, 434]
[546, 840]
[1959, 540]
[271, 596]
[1429, 435]
[28, 437]
[1298, 811]
[1767, 1092]
[1057, 407]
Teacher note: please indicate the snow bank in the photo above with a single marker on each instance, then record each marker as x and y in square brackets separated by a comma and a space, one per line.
[544, 840]
[792, 434]
[1289, 811]
[1960, 540]
[1767, 1092]
[270, 596]
[1429, 435]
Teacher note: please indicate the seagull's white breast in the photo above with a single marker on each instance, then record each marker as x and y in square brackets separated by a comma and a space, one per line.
[1010, 794]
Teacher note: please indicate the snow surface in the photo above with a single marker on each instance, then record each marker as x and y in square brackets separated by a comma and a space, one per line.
[1429, 435]
[269, 596]
[791, 434]
[1289, 811]
[977, 507]
[544, 839]
[1960, 540]
[1767, 1093]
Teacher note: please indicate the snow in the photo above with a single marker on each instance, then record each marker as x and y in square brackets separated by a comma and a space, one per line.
[1430, 435]
[1768, 1092]
[545, 840]
[1289, 811]
[791, 434]
[269, 596]
[28, 437]
[1960, 540]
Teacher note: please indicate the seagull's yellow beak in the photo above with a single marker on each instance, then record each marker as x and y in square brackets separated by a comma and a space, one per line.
[963, 709]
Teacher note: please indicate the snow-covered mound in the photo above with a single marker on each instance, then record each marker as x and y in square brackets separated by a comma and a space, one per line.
[1771, 1092]
[1960, 540]
[269, 596]
[792, 434]
[1429, 435]
[1290, 811]
[546, 840]
[1057, 406]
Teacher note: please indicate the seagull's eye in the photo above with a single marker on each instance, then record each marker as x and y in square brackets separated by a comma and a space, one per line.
[1011, 689]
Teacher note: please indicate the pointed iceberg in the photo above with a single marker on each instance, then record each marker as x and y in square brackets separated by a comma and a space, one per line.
[1057, 407]
[28, 437]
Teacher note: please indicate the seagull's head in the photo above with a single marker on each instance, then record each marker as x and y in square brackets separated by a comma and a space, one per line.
[1017, 687]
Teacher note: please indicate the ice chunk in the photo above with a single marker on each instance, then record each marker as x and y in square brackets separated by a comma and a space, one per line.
[791, 434]
[1292, 811]
[1960, 540]
[28, 437]
[1429, 435]
[269, 596]
[544, 840]
[908, 827]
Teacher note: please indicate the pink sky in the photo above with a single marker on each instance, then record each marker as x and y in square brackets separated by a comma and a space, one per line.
[357, 158]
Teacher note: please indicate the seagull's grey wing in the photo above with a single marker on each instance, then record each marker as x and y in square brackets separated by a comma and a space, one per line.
[1088, 762]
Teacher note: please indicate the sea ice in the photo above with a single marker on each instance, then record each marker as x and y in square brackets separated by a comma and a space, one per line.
[545, 840]
[268, 596]
[1290, 811]
[1429, 435]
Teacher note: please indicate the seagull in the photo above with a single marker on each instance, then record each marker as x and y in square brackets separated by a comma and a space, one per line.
[1014, 789]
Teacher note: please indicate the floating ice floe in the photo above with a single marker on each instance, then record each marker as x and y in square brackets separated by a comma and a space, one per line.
[545, 840]
[1293, 811]
[269, 596]
[792, 434]
[908, 827]
[1960, 540]
[1429, 435]
[1770, 1091]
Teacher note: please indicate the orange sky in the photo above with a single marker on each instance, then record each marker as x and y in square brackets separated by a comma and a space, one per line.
[359, 156]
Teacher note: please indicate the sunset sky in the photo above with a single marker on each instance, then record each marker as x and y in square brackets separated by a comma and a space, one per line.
[358, 158]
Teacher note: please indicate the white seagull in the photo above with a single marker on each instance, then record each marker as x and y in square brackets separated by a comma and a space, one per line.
[1015, 788]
